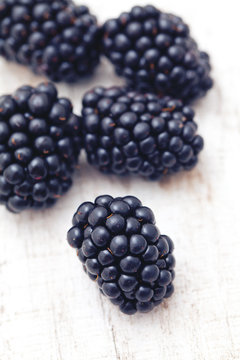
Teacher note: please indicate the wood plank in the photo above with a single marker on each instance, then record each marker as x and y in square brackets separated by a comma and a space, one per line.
[50, 310]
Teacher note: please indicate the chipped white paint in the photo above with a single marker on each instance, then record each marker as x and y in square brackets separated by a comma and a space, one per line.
[50, 310]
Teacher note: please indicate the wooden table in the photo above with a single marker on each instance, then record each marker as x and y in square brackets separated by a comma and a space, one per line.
[49, 310]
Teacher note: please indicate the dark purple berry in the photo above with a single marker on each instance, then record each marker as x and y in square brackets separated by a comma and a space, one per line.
[126, 132]
[37, 157]
[122, 251]
[54, 39]
[154, 52]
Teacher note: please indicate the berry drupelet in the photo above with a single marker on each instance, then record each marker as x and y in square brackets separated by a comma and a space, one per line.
[39, 147]
[122, 250]
[131, 133]
[155, 53]
[55, 38]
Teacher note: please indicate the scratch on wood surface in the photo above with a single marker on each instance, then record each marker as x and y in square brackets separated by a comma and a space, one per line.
[102, 306]
[113, 333]
[229, 328]
[218, 92]
[56, 338]
[209, 193]
[114, 342]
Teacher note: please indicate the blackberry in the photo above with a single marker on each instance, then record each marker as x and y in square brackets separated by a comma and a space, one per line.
[122, 250]
[131, 133]
[155, 53]
[54, 38]
[39, 147]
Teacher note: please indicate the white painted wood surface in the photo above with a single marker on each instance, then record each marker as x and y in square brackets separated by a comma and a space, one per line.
[49, 310]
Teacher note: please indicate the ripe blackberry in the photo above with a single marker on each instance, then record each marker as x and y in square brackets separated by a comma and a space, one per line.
[132, 133]
[122, 250]
[54, 38]
[39, 147]
[155, 53]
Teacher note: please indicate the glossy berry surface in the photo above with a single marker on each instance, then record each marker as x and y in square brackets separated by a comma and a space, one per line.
[54, 38]
[39, 147]
[131, 133]
[155, 52]
[123, 252]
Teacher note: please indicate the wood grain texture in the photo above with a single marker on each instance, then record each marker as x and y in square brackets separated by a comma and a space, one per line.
[50, 310]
